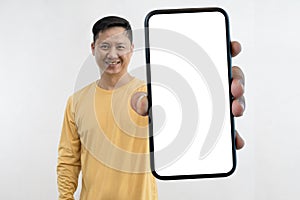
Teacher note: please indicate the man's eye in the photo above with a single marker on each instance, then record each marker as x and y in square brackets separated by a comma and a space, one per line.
[104, 46]
[120, 47]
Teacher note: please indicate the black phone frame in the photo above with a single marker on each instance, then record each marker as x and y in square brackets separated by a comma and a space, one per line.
[148, 72]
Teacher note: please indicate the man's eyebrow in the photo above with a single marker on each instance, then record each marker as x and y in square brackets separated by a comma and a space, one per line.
[103, 42]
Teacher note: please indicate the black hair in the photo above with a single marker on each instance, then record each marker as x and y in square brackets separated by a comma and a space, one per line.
[111, 21]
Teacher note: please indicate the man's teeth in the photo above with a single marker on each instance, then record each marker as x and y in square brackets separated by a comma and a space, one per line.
[114, 63]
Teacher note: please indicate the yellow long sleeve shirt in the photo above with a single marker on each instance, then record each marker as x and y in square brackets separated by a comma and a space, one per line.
[107, 140]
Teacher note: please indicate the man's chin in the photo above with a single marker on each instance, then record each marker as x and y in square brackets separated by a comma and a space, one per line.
[116, 67]
[114, 71]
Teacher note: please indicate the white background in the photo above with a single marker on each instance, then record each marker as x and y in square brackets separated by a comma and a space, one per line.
[43, 45]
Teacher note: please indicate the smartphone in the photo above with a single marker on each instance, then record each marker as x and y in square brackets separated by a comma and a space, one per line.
[191, 126]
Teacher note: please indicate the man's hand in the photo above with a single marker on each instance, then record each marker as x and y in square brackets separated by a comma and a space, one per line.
[237, 90]
[139, 101]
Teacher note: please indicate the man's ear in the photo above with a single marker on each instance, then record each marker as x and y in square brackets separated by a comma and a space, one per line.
[93, 48]
[132, 48]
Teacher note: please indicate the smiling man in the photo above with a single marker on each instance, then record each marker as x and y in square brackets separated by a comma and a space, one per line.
[112, 49]
[104, 131]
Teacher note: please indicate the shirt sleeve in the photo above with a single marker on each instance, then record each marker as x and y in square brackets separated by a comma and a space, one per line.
[69, 165]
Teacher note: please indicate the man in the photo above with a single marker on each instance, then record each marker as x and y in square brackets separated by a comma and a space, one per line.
[104, 130]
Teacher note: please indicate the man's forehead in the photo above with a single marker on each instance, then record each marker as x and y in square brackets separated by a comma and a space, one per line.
[113, 36]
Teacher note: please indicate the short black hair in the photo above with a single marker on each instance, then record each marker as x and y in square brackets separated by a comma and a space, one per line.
[111, 21]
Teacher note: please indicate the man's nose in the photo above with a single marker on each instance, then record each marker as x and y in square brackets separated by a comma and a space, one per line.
[113, 53]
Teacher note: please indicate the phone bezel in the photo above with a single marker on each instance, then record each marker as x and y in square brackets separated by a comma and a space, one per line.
[148, 71]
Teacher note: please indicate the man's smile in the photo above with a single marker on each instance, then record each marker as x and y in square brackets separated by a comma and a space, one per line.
[112, 63]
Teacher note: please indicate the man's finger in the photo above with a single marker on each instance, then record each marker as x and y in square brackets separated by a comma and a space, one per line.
[238, 106]
[237, 73]
[238, 82]
[236, 48]
[239, 142]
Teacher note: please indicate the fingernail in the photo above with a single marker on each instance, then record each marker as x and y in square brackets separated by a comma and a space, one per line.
[242, 103]
[242, 83]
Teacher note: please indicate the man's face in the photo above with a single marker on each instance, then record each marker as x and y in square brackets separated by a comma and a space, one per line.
[113, 50]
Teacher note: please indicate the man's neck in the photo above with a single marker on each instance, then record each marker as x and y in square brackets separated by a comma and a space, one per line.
[110, 82]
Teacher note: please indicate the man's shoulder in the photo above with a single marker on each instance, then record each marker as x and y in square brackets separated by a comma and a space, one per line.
[85, 89]
[139, 85]
[82, 92]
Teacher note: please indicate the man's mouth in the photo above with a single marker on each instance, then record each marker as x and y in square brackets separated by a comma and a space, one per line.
[113, 62]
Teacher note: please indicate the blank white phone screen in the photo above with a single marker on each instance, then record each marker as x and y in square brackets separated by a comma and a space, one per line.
[190, 72]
